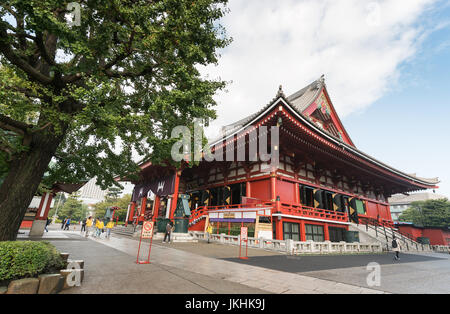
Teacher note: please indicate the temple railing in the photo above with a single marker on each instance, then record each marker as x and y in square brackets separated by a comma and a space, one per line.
[277, 207]
[293, 247]
[310, 212]
[387, 227]
[200, 211]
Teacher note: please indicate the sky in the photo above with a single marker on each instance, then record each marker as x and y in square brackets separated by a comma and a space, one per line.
[386, 66]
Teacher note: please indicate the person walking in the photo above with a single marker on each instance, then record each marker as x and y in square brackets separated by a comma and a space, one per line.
[94, 223]
[67, 225]
[99, 225]
[168, 232]
[89, 224]
[83, 225]
[63, 223]
[396, 248]
[47, 223]
[209, 231]
[109, 226]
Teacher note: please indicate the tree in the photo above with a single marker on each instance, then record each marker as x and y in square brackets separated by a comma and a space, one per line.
[73, 208]
[113, 193]
[87, 96]
[122, 203]
[430, 213]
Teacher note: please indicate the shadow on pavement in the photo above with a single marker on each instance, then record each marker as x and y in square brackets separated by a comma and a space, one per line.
[300, 264]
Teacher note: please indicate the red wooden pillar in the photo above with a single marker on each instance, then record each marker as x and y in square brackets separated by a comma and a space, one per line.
[173, 205]
[326, 233]
[41, 204]
[296, 193]
[248, 190]
[44, 206]
[302, 231]
[156, 204]
[278, 222]
[143, 207]
[279, 229]
[131, 214]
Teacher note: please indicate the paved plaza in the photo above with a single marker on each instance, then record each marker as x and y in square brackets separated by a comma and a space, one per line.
[202, 268]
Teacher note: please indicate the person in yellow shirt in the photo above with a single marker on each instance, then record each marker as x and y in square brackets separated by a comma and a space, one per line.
[89, 223]
[99, 225]
[209, 231]
[109, 226]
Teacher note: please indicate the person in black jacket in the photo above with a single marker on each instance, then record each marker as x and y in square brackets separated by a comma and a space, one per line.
[47, 223]
[83, 225]
[396, 248]
[169, 227]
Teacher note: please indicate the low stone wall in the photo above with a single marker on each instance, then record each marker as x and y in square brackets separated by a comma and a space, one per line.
[49, 283]
[295, 247]
[441, 249]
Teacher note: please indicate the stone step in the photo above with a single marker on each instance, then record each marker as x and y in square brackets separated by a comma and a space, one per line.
[176, 237]
[123, 232]
[406, 243]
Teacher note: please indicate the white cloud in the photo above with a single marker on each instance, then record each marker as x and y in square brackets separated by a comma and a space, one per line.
[357, 44]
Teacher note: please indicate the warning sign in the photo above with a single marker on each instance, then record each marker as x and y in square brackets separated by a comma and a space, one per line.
[147, 230]
[244, 233]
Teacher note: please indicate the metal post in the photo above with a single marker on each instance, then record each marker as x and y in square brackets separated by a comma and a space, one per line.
[385, 234]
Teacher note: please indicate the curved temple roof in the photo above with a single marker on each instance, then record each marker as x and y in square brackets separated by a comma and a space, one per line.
[299, 102]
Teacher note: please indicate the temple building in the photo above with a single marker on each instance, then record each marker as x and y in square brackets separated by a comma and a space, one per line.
[320, 185]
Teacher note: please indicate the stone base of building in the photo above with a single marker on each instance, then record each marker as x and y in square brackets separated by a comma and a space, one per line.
[176, 237]
[37, 228]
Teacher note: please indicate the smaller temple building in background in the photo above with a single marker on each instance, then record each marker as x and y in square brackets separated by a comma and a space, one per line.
[426, 235]
[36, 216]
[321, 184]
[401, 202]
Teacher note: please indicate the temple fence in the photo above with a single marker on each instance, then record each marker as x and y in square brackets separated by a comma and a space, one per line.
[292, 247]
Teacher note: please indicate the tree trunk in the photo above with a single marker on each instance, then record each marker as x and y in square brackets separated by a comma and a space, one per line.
[23, 179]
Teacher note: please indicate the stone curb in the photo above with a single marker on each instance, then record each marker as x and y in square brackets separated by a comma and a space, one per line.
[45, 283]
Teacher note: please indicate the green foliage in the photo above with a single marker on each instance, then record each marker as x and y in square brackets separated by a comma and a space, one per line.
[430, 213]
[73, 208]
[113, 193]
[122, 203]
[121, 81]
[23, 259]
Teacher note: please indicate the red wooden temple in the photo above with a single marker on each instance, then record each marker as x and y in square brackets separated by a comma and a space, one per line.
[321, 185]
[36, 219]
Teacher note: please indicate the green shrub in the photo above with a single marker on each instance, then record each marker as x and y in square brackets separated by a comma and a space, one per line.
[24, 259]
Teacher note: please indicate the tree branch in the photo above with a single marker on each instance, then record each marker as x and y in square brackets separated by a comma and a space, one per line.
[5, 48]
[106, 67]
[7, 123]
[39, 40]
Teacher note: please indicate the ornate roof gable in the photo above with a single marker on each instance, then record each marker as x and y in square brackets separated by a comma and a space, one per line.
[314, 103]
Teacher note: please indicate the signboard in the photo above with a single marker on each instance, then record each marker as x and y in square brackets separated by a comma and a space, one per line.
[147, 230]
[146, 233]
[244, 233]
[228, 215]
[244, 237]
